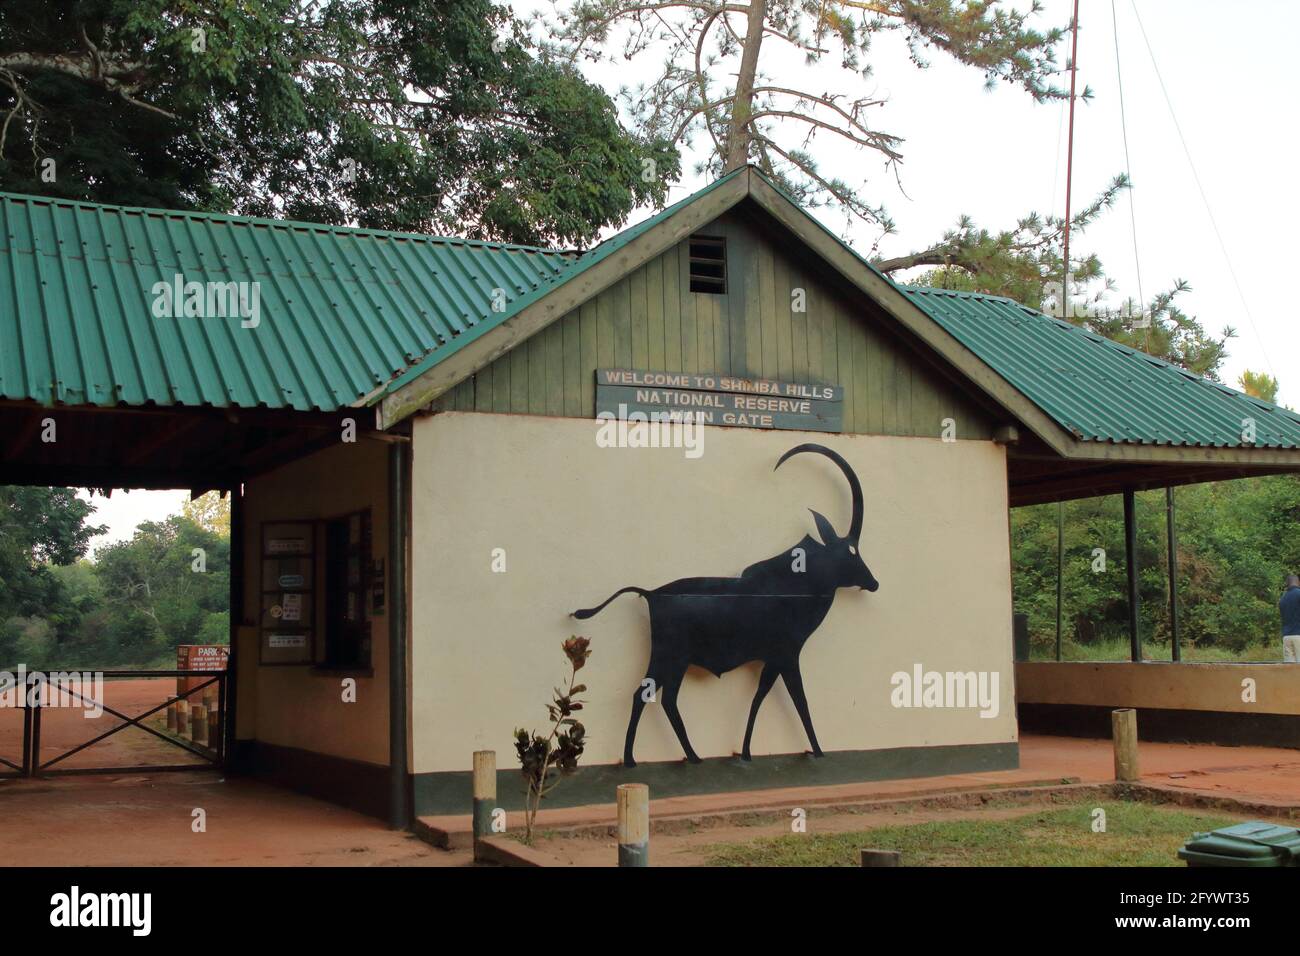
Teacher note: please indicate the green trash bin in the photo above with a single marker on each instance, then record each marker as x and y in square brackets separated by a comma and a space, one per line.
[1254, 843]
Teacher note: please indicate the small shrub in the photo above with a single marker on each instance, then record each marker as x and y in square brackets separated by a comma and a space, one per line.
[546, 760]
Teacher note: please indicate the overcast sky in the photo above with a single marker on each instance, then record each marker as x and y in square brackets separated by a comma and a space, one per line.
[997, 155]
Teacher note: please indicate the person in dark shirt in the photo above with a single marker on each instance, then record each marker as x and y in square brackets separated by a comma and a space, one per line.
[1290, 608]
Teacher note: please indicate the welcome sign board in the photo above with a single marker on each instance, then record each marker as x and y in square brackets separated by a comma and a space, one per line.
[717, 399]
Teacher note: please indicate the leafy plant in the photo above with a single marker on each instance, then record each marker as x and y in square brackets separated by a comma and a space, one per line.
[415, 115]
[546, 760]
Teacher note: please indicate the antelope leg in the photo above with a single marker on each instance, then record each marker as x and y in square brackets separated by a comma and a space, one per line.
[670, 690]
[794, 684]
[765, 681]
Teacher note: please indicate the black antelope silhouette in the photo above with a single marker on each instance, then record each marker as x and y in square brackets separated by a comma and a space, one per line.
[766, 614]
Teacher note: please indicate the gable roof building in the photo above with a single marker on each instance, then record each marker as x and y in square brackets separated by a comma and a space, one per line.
[402, 419]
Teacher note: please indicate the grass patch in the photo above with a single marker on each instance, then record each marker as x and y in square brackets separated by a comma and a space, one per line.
[1109, 650]
[1137, 834]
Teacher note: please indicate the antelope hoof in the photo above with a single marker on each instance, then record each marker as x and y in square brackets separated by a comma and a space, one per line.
[629, 762]
[818, 753]
[746, 757]
[692, 758]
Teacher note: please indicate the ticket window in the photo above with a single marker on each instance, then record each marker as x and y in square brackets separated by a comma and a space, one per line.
[316, 577]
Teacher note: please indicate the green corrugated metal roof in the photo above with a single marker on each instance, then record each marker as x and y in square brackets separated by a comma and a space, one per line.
[1097, 389]
[342, 310]
[349, 315]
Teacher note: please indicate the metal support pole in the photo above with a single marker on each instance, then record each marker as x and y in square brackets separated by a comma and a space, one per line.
[34, 768]
[1130, 562]
[27, 733]
[1173, 573]
[1060, 570]
[398, 810]
[230, 686]
[1069, 161]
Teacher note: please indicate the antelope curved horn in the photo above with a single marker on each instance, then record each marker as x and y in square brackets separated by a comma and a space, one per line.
[855, 487]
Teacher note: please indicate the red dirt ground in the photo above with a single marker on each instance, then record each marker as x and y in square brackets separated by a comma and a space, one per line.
[1266, 775]
[146, 820]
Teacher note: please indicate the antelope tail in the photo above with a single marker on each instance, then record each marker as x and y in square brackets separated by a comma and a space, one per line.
[593, 611]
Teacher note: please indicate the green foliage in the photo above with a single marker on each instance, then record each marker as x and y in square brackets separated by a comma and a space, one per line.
[137, 601]
[1027, 263]
[154, 597]
[545, 760]
[210, 511]
[1258, 384]
[1236, 542]
[1136, 834]
[39, 526]
[421, 115]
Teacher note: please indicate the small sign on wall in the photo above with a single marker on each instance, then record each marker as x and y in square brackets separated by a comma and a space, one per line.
[716, 399]
[280, 641]
[287, 598]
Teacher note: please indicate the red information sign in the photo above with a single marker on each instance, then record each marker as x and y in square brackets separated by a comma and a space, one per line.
[199, 657]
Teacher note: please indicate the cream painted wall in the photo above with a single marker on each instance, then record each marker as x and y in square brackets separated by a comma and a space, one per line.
[1182, 686]
[578, 521]
[299, 706]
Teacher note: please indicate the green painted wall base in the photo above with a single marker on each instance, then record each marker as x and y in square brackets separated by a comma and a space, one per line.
[450, 792]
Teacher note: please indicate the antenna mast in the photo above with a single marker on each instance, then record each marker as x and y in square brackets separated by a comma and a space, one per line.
[1069, 155]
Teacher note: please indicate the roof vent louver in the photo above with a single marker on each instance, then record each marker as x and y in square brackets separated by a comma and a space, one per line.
[709, 264]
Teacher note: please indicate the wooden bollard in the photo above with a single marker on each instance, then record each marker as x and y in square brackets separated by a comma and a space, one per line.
[199, 725]
[485, 794]
[183, 718]
[171, 717]
[214, 727]
[1124, 733]
[882, 858]
[633, 824]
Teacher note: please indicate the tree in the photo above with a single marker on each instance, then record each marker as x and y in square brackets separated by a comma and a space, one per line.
[1259, 385]
[428, 115]
[772, 123]
[39, 527]
[752, 118]
[210, 511]
[163, 587]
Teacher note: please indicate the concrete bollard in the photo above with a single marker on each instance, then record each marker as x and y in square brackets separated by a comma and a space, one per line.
[633, 824]
[1124, 733]
[199, 725]
[882, 858]
[485, 794]
[171, 717]
[214, 727]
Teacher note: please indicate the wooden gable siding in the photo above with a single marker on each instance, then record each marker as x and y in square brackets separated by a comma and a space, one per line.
[651, 320]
